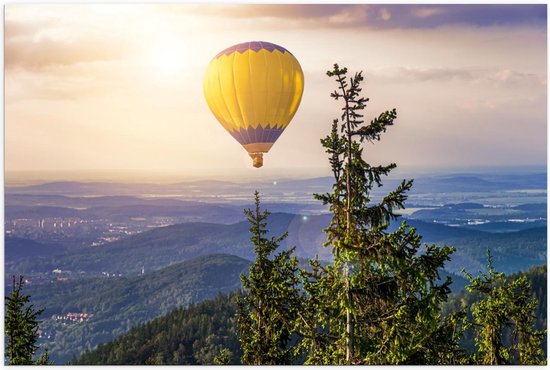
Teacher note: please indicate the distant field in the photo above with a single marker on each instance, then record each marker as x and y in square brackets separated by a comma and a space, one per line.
[529, 191]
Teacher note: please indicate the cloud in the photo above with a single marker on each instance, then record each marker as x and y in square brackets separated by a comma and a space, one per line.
[300, 15]
[432, 16]
[384, 16]
[498, 76]
[289, 11]
[60, 83]
[49, 40]
[477, 14]
[47, 52]
[70, 35]
[422, 12]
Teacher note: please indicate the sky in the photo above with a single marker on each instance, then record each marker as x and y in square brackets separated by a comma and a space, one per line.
[118, 87]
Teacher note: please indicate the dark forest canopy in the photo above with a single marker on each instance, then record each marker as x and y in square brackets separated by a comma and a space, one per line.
[169, 339]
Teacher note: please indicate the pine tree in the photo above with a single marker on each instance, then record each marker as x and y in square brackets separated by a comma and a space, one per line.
[21, 325]
[223, 358]
[379, 301]
[505, 304]
[527, 342]
[267, 312]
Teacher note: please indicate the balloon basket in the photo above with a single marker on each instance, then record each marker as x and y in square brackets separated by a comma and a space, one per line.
[257, 159]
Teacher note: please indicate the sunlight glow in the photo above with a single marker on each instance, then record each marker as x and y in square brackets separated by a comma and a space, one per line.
[168, 57]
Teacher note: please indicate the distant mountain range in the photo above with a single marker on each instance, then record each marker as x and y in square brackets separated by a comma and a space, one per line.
[480, 182]
[441, 183]
[160, 247]
[118, 208]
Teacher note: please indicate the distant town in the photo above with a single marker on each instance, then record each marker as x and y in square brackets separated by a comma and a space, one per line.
[71, 230]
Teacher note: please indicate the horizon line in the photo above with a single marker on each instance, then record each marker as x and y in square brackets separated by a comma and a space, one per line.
[21, 177]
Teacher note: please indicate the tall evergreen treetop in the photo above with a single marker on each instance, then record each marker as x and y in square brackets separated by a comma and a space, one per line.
[506, 305]
[350, 200]
[21, 328]
[378, 302]
[266, 316]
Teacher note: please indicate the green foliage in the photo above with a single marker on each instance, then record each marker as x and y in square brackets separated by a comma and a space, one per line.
[21, 326]
[538, 279]
[271, 301]
[223, 358]
[505, 304]
[379, 302]
[197, 335]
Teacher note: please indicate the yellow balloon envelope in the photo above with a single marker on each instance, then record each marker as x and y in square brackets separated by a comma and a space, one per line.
[254, 89]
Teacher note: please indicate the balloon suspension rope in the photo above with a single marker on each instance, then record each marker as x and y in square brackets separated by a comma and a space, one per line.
[257, 159]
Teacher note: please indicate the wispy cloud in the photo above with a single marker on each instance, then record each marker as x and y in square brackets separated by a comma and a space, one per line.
[55, 40]
[500, 76]
[63, 83]
[47, 52]
[427, 12]
[297, 15]
[386, 16]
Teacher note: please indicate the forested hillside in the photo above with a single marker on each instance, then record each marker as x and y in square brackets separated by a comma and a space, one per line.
[196, 335]
[118, 304]
[186, 336]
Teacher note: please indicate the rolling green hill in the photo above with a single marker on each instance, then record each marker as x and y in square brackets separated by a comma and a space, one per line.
[121, 303]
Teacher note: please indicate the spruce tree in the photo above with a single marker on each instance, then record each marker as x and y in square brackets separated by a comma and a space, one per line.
[223, 358]
[506, 307]
[21, 328]
[267, 311]
[379, 301]
[526, 340]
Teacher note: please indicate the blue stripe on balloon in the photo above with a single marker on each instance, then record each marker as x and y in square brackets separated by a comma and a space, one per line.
[252, 45]
[238, 135]
[270, 135]
[257, 135]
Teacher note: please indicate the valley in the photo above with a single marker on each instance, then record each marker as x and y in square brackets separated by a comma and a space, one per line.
[103, 258]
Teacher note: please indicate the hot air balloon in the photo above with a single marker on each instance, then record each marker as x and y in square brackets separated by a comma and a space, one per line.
[254, 89]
